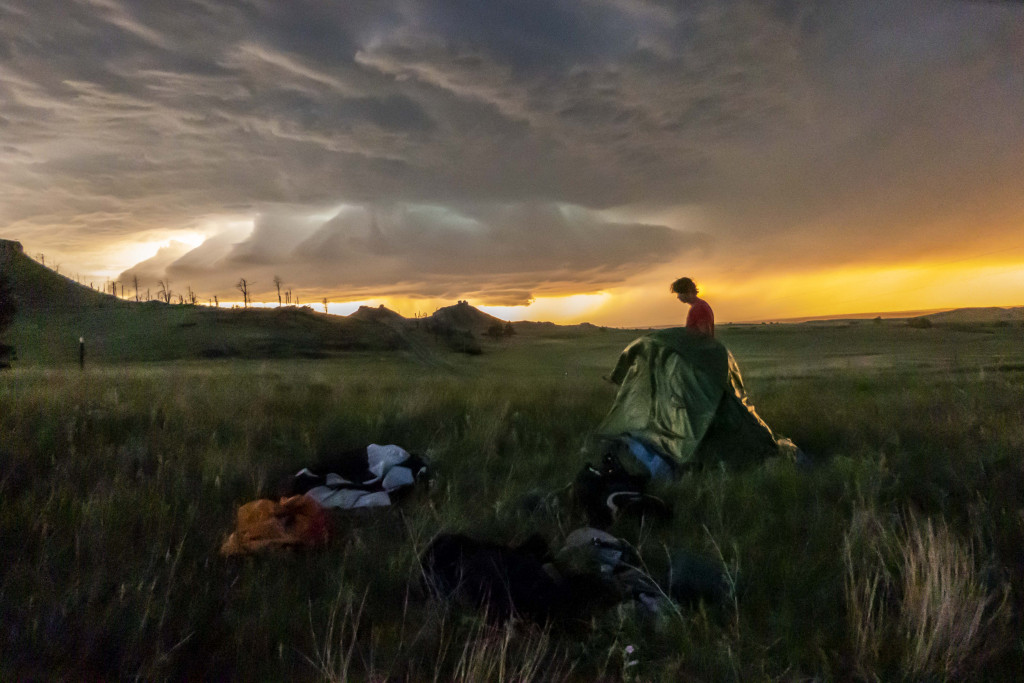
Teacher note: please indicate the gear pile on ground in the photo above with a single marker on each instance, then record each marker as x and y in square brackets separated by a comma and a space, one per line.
[369, 477]
[591, 572]
[681, 405]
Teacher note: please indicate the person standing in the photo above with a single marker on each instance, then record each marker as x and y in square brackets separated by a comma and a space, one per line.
[700, 319]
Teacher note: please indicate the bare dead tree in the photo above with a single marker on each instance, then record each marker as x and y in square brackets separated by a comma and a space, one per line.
[243, 287]
[325, 304]
[288, 297]
[181, 299]
[191, 296]
[277, 283]
[165, 290]
[216, 301]
[135, 283]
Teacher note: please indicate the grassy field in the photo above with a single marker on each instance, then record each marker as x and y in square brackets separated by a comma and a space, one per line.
[897, 554]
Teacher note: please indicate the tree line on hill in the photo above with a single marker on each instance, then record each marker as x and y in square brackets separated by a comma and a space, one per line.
[167, 295]
[499, 330]
[459, 327]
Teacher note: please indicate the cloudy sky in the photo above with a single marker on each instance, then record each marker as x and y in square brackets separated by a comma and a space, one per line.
[561, 160]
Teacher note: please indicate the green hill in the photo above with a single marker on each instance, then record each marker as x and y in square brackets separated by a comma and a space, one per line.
[54, 312]
[37, 287]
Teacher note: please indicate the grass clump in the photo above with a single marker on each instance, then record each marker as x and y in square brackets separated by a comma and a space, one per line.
[917, 604]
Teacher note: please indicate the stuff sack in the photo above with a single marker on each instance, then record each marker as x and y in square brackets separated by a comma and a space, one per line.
[290, 522]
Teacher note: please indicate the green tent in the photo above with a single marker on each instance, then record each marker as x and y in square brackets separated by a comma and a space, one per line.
[681, 394]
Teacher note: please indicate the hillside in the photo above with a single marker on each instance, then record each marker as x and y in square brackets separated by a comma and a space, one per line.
[463, 317]
[380, 314]
[991, 314]
[37, 287]
[54, 312]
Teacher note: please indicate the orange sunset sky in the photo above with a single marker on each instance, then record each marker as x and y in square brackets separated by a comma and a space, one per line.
[551, 160]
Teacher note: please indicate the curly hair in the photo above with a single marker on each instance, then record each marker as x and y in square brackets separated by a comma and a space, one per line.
[683, 284]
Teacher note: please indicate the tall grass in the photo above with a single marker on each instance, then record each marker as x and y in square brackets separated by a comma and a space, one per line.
[119, 483]
[916, 601]
[429, 641]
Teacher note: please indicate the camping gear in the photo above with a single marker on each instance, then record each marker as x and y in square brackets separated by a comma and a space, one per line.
[659, 467]
[518, 581]
[264, 524]
[366, 477]
[590, 551]
[692, 577]
[696, 578]
[593, 570]
[681, 394]
[504, 581]
[608, 491]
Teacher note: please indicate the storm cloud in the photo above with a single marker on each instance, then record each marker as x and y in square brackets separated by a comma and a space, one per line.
[506, 149]
[424, 251]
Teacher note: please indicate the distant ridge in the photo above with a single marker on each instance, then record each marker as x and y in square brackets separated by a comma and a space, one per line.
[383, 318]
[379, 314]
[989, 314]
[464, 317]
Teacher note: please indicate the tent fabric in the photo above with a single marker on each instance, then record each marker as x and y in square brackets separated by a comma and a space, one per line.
[681, 394]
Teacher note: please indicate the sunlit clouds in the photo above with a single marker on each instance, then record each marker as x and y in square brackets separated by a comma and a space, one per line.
[499, 254]
[543, 160]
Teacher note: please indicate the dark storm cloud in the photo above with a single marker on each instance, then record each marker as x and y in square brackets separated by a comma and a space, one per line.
[804, 129]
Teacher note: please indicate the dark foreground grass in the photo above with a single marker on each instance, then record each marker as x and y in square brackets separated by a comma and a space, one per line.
[118, 485]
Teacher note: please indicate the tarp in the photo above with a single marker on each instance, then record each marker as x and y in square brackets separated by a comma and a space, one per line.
[682, 394]
[365, 477]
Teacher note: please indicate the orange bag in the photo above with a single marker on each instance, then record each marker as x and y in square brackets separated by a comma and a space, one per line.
[262, 524]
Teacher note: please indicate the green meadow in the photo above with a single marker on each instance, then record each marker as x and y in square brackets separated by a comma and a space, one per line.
[895, 551]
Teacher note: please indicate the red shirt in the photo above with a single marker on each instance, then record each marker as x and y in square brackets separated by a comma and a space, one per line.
[701, 318]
